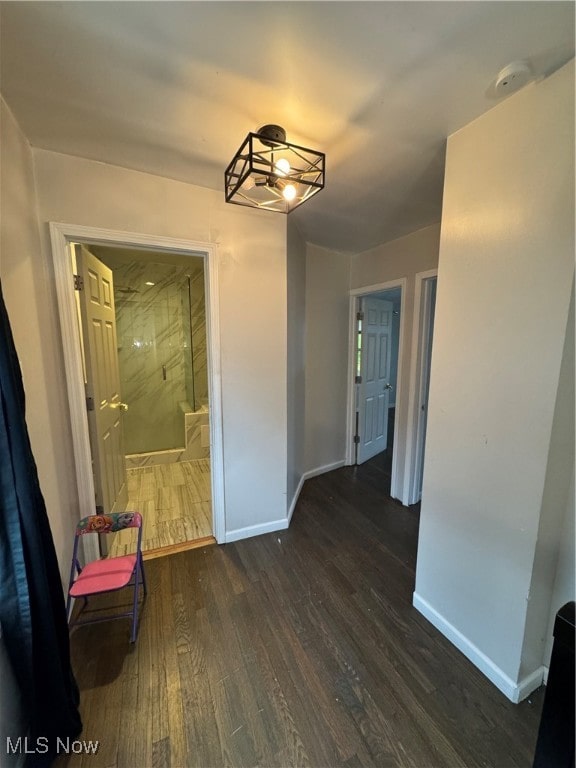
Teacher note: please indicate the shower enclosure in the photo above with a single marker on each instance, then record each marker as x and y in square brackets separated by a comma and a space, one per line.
[161, 329]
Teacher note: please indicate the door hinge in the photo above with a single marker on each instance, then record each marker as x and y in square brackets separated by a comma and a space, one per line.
[357, 379]
[356, 439]
[78, 283]
[359, 315]
[89, 403]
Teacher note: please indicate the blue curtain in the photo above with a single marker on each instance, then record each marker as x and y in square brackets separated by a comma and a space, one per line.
[32, 609]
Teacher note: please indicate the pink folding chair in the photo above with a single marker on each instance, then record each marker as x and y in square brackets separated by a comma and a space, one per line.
[109, 574]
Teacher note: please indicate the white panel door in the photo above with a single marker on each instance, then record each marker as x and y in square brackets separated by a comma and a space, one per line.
[374, 388]
[103, 382]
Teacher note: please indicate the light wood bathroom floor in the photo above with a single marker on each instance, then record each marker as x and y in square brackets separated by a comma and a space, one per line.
[175, 503]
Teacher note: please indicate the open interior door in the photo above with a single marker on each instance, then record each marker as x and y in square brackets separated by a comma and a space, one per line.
[374, 386]
[105, 406]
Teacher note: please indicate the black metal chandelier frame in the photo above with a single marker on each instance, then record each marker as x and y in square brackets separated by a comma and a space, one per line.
[256, 178]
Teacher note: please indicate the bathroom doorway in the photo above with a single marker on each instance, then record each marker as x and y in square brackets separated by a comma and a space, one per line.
[160, 331]
[195, 434]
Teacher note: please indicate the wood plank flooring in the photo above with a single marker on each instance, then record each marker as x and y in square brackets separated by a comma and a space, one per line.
[298, 648]
[174, 500]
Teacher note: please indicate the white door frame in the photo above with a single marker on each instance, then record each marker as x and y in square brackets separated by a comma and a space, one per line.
[356, 294]
[415, 434]
[61, 236]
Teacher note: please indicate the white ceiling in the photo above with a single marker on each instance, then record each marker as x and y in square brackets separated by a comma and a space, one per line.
[172, 88]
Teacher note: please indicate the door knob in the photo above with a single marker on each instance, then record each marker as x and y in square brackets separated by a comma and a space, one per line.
[120, 406]
[388, 386]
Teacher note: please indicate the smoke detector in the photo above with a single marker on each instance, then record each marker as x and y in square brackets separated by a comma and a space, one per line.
[513, 77]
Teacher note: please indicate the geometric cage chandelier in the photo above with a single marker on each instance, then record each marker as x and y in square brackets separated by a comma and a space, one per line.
[269, 173]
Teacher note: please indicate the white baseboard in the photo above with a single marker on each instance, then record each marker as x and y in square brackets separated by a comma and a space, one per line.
[306, 476]
[512, 690]
[255, 530]
[322, 470]
[295, 499]
[529, 683]
[280, 525]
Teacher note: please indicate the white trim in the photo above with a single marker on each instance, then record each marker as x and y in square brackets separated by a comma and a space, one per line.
[351, 375]
[378, 287]
[396, 484]
[255, 530]
[323, 469]
[61, 236]
[513, 691]
[295, 499]
[212, 293]
[306, 476]
[530, 682]
[417, 360]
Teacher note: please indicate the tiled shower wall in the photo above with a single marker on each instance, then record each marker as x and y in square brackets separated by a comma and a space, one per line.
[154, 347]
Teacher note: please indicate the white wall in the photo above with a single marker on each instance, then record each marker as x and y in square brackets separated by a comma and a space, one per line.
[296, 392]
[29, 293]
[505, 274]
[402, 258]
[327, 285]
[554, 562]
[564, 590]
[252, 272]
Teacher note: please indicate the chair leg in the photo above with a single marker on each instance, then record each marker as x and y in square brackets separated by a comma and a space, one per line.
[142, 574]
[135, 603]
[134, 617]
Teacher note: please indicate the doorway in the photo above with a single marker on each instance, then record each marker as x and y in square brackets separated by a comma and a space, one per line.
[63, 237]
[158, 328]
[374, 376]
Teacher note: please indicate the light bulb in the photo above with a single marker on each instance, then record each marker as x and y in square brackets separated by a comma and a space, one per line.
[282, 167]
[289, 192]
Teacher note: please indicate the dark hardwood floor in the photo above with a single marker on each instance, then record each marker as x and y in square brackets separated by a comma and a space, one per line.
[298, 648]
